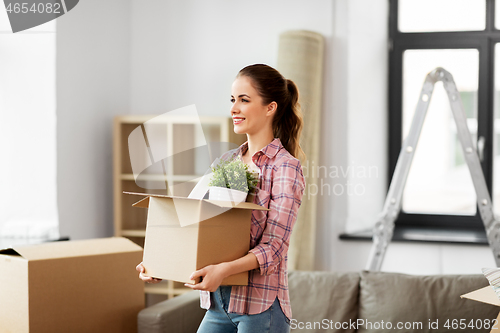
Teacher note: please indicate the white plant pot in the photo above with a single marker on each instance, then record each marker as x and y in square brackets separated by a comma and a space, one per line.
[226, 194]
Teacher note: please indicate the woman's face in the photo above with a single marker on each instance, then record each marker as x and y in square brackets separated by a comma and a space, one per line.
[249, 114]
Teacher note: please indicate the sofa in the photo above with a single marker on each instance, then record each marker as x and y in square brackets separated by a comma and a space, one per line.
[353, 302]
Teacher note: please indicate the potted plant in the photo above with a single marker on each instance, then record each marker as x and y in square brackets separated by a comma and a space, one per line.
[232, 181]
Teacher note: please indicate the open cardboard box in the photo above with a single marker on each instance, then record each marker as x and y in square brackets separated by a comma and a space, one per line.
[187, 234]
[71, 286]
[485, 295]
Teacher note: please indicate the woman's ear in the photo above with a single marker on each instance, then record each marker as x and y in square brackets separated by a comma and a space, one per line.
[271, 108]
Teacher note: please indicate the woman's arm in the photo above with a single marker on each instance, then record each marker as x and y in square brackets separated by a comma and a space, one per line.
[214, 274]
[286, 197]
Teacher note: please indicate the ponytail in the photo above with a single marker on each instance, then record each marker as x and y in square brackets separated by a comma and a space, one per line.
[287, 122]
[289, 127]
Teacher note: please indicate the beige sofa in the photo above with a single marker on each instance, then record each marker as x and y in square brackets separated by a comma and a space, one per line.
[352, 302]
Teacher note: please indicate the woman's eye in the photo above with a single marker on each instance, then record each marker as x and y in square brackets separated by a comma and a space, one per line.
[244, 100]
[232, 100]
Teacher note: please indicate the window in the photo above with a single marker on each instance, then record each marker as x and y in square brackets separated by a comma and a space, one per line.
[28, 202]
[461, 36]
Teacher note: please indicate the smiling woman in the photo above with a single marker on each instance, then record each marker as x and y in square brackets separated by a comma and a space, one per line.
[265, 108]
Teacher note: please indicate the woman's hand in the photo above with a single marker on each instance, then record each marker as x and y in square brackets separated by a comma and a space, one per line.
[140, 268]
[212, 276]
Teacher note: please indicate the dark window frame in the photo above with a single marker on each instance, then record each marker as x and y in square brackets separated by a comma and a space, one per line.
[484, 41]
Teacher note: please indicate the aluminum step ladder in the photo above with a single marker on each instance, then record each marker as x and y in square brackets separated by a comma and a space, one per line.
[384, 227]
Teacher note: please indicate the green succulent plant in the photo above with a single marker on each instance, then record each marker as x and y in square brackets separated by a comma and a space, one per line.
[234, 174]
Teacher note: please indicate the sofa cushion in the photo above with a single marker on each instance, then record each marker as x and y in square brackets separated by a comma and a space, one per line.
[395, 297]
[321, 298]
[179, 314]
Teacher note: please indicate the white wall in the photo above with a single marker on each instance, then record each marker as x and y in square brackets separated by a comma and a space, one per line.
[186, 52]
[93, 51]
[119, 57]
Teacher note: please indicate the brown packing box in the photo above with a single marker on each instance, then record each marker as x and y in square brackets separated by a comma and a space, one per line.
[71, 286]
[485, 295]
[186, 234]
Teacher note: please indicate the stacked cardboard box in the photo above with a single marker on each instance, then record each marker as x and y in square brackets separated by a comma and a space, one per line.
[71, 286]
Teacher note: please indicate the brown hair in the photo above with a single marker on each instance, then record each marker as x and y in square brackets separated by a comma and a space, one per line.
[273, 87]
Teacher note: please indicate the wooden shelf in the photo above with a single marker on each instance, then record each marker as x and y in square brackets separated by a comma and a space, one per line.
[175, 136]
[160, 177]
[133, 233]
[162, 289]
[176, 119]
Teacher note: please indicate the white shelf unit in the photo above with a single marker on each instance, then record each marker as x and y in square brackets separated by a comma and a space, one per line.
[175, 135]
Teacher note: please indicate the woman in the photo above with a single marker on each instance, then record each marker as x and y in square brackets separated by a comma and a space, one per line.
[264, 107]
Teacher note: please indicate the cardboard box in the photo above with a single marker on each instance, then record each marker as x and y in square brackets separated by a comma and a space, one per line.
[71, 286]
[187, 234]
[485, 295]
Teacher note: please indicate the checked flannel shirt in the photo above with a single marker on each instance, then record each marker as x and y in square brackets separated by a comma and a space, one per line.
[280, 188]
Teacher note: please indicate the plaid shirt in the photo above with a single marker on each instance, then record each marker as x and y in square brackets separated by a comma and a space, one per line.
[281, 186]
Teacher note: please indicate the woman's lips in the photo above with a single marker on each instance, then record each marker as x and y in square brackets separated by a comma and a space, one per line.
[237, 121]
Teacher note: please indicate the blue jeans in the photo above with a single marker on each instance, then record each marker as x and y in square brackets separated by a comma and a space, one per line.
[218, 320]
